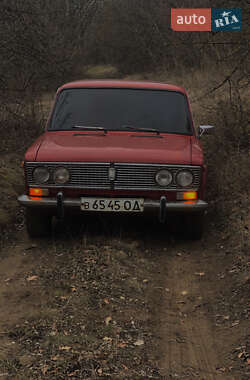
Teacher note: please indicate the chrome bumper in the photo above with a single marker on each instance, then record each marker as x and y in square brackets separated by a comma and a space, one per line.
[149, 204]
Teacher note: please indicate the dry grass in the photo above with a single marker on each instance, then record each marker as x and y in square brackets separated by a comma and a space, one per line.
[101, 72]
[11, 184]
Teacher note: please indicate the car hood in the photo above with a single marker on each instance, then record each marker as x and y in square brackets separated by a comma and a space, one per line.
[114, 147]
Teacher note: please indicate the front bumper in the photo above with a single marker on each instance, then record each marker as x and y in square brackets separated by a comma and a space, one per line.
[161, 205]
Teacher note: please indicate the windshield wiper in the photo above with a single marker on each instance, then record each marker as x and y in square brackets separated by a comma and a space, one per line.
[141, 129]
[89, 127]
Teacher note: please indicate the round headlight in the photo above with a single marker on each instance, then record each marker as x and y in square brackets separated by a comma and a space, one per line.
[61, 175]
[163, 177]
[41, 174]
[184, 178]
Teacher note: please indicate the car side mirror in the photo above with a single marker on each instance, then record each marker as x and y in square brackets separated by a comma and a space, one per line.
[204, 129]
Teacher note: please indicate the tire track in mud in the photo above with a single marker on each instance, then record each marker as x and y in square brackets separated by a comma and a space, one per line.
[190, 348]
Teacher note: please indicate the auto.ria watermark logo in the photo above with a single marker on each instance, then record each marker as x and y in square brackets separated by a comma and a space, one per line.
[205, 19]
[226, 19]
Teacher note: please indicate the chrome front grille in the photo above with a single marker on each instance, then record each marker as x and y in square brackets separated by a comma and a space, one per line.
[142, 176]
[86, 175]
[82, 175]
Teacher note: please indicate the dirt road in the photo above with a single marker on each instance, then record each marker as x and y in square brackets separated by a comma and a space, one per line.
[192, 346]
[145, 305]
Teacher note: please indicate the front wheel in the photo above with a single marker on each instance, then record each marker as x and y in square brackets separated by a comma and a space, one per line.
[194, 225]
[38, 225]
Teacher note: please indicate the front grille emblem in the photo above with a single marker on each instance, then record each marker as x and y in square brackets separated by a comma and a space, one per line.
[112, 173]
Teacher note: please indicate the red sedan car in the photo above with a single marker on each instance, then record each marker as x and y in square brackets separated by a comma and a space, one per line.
[120, 147]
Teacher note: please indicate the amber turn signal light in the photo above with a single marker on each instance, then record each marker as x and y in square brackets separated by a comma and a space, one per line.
[187, 196]
[190, 195]
[37, 192]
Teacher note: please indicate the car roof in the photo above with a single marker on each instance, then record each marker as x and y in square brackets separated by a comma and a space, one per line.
[121, 84]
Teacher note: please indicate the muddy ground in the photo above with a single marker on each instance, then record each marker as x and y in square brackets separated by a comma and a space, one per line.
[123, 298]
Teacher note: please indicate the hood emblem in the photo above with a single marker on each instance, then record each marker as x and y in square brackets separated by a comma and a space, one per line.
[112, 173]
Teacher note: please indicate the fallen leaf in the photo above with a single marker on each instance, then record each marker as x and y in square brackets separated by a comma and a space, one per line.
[99, 371]
[64, 348]
[45, 369]
[54, 358]
[32, 278]
[248, 362]
[73, 373]
[200, 274]
[124, 367]
[121, 345]
[108, 320]
[106, 301]
[184, 293]
[222, 369]
[235, 323]
[107, 339]
[139, 342]
[240, 355]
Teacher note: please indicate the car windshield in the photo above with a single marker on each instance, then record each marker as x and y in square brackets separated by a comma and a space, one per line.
[121, 109]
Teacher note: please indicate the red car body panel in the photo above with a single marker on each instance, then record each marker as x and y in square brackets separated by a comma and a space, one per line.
[32, 151]
[121, 84]
[196, 151]
[113, 147]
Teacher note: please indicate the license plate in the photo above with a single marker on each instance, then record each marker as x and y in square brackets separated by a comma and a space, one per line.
[112, 204]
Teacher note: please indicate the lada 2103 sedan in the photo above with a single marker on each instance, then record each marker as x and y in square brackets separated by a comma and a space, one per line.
[116, 146]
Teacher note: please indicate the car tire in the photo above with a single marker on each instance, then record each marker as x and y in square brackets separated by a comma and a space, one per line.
[194, 225]
[37, 224]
